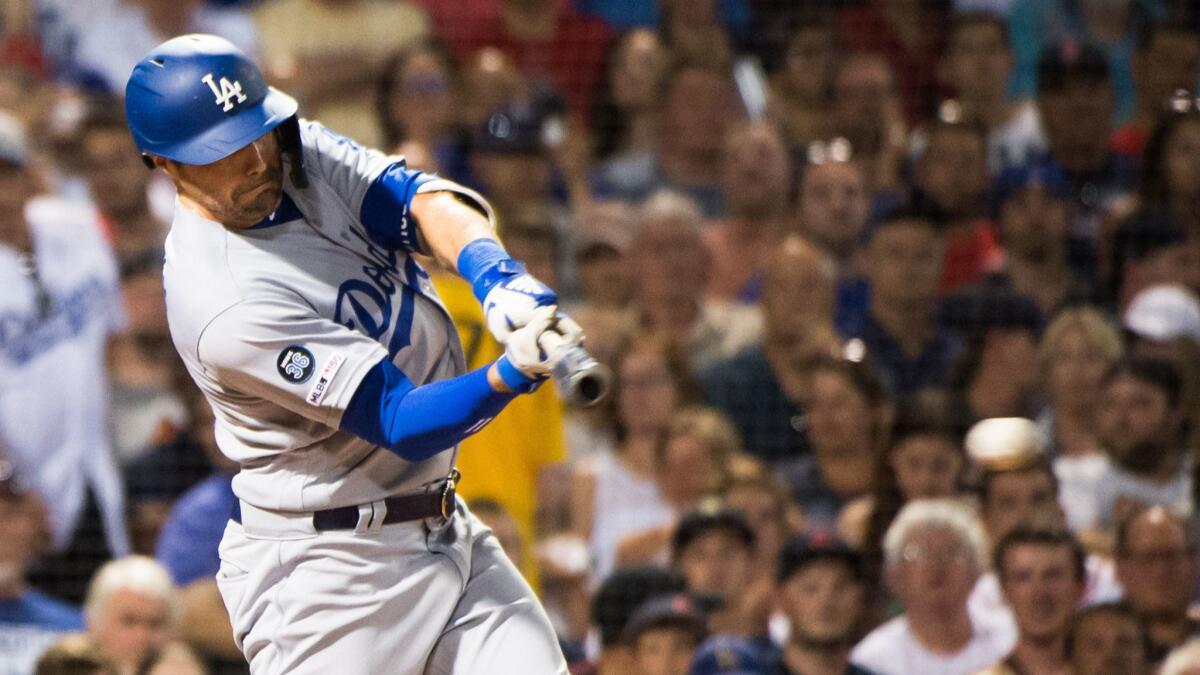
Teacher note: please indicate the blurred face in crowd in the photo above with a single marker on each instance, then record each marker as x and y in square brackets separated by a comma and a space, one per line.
[423, 101]
[765, 511]
[926, 466]
[834, 206]
[116, 177]
[1015, 496]
[862, 91]
[1157, 567]
[689, 469]
[23, 528]
[490, 82]
[130, 626]
[700, 105]
[716, 562]
[823, 602]
[1034, 225]
[665, 650]
[1010, 354]
[604, 273]
[798, 300]
[513, 181]
[838, 417]
[637, 74]
[1177, 264]
[935, 573]
[647, 394]
[146, 313]
[1181, 161]
[1137, 425]
[1075, 115]
[237, 191]
[1041, 586]
[666, 285]
[1108, 643]
[977, 62]
[1076, 368]
[755, 170]
[953, 170]
[808, 64]
[1170, 62]
[905, 258]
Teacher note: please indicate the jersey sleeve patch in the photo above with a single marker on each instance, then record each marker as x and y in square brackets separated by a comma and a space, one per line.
[321, 386]
[295, 364]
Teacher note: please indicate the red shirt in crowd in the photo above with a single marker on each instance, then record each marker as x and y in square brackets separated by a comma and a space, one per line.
[864, 29]
[572, 60]
[972, 252]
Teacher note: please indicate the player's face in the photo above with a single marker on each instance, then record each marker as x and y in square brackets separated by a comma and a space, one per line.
[237, 191]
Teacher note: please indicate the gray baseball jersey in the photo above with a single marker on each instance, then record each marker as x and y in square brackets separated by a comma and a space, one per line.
[279, 323]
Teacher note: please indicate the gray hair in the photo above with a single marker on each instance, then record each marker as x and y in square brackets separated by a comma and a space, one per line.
[670, 205]
[943, 514]
[136, 573]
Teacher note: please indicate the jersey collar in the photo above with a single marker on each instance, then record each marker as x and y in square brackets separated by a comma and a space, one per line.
[286, 212]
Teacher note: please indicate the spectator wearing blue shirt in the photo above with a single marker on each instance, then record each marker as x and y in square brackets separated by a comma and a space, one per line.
[30, 621]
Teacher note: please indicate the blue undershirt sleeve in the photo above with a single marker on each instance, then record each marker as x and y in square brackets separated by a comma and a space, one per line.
[385, 207]
[415, 422]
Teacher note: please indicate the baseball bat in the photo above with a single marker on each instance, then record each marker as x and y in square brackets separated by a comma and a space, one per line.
[582, 381]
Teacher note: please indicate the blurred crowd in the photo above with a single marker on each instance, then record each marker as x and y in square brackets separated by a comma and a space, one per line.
[900, 297]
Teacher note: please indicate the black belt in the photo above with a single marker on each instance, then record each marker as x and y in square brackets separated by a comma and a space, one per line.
[400, 509]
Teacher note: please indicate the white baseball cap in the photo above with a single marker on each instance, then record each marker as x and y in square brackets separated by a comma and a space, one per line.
[1164, 313]
[13, 147]
[1005, 443]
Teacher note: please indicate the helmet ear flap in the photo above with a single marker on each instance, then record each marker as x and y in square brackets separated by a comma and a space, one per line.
[288, 134]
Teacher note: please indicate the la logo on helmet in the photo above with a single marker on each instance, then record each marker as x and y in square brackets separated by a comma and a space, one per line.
[226, 92]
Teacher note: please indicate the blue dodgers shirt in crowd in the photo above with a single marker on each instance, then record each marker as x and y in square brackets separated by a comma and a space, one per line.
[188, 542]
[29, 624]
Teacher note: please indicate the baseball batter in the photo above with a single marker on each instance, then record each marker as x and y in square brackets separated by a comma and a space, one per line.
[337, 379]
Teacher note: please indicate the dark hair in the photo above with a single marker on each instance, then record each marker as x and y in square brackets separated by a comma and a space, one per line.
[608, 121]
[704, 520]
[390, 74]
[1040, 465]
[977, 17]
[1121, 609]
[1153, 187]
[1028, 536]
[623, 592]
[1158, 373]
[687, 389]
[1150, 29]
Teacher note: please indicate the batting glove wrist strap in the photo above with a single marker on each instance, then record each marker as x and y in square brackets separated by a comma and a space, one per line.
[515, 379]
[484, 263]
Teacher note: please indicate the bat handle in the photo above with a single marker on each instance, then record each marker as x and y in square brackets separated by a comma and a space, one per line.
[582, 381]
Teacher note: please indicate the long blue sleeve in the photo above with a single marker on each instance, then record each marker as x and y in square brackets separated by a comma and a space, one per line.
[415, 422]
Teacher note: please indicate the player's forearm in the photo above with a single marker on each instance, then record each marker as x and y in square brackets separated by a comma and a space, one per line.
[446, 225]
[419, 422]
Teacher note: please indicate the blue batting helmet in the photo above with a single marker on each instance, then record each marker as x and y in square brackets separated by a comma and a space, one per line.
[197, 99]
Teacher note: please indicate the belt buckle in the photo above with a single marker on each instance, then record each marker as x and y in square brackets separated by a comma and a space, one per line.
[448, 493]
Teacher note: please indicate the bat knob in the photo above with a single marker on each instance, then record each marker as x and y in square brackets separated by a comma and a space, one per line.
[582, 381]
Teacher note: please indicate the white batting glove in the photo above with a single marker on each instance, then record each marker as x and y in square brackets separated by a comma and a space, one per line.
[533, 350]
[511, 304]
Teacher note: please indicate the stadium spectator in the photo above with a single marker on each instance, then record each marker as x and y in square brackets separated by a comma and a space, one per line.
[553, 44]
[1107, 639]
[30, 621]
[663, 633]
[865, 109]
[1140, 426]
[613, 605]
[1042, 574]
[1157, 566]
[603, 235]
[1183, 660]
[667, 288]
[833, 203]
[615, 495]
[821, 591]
[1077, 348]
[1170, 172]
[1166, 60]
[335, 76]
[934, 552]
[415, 96]
[976, 68]
[847, 418]
[755, 183]
[61, 308]
[1164, 322]
[802, 82]
[510, 160]
[762, 388]
[74, 655]
[899, 327]
[698, 107]
[627, 118]
[1150, 248]
[132, 611]
[713, 549]
[694, 34]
